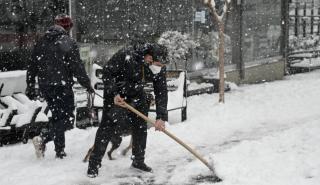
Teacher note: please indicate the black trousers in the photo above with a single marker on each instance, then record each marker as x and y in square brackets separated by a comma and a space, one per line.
[116, 121]
[60, 100]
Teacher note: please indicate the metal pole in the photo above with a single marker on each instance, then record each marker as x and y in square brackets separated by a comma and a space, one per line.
[296, 20]
[304, 26]
[318, 32]
[242, 69]
[311, 19]
[70, 14]
[193, 30]
[285, 32]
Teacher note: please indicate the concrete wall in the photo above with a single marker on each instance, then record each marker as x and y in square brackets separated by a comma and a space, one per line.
[259, 73]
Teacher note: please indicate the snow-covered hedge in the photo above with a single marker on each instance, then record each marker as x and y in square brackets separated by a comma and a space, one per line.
[311, 42]
[179, 45]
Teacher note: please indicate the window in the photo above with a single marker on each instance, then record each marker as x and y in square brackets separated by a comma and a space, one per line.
[261, 29]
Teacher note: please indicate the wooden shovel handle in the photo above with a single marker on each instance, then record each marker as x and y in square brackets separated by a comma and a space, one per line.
[171, 136]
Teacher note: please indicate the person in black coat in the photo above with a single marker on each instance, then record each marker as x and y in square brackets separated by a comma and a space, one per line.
[124, 77]
[55, 61]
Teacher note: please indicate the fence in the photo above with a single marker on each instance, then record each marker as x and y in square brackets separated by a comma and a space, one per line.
[304, 18]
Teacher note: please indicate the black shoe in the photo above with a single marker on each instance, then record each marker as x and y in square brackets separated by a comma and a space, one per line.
[69, 126]
[141, 166]
[61, 154]
[93, 170]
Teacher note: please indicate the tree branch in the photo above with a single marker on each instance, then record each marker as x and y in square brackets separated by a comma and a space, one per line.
[212, 10]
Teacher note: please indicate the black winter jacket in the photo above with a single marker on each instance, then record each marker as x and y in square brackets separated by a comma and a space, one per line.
[56, 60]
[126, 73]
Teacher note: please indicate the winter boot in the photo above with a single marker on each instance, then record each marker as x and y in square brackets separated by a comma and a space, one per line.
[39, 146]
[93, 169]
[61, 154]
[140, 165]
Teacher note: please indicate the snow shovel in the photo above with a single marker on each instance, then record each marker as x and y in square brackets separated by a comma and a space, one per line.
[211, 168]
[176, 139]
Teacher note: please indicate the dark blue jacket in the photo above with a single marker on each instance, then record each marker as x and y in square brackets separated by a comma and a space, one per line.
[126, 73]
[56, 60]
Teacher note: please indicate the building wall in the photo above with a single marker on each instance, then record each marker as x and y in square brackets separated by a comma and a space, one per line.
[120, 21]
[258, 73]
[107, 25]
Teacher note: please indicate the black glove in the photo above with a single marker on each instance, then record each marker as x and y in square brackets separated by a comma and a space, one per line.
[90, 90]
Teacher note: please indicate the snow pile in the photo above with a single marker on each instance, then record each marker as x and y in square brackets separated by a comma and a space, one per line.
[308, 62]
[14, 81]
[194, 85]
[25, 109]
[4, 115]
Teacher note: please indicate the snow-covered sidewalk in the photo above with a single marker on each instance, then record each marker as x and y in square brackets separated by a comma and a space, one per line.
[264, 134]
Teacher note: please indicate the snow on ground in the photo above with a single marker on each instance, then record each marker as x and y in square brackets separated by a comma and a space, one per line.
[264, 134]
[194, 85]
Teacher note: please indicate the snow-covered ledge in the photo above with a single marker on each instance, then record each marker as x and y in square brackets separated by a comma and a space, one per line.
[14, 82]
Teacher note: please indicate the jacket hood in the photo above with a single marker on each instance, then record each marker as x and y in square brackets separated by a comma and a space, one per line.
[138, 47]
[54, 31]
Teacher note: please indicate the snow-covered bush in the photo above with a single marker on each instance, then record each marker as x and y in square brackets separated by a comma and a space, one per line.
[311, 42]
[179, 46]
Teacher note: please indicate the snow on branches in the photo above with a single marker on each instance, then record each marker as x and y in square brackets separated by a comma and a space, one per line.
[179, 45]
[213, 9]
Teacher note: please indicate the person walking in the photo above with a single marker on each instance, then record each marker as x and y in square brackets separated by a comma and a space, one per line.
[55, 61]
[124, 77]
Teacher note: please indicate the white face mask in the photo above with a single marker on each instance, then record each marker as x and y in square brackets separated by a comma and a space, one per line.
[155, 69]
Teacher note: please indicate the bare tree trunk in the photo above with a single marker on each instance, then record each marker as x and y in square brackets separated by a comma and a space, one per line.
[219, 20]
[221, 61]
